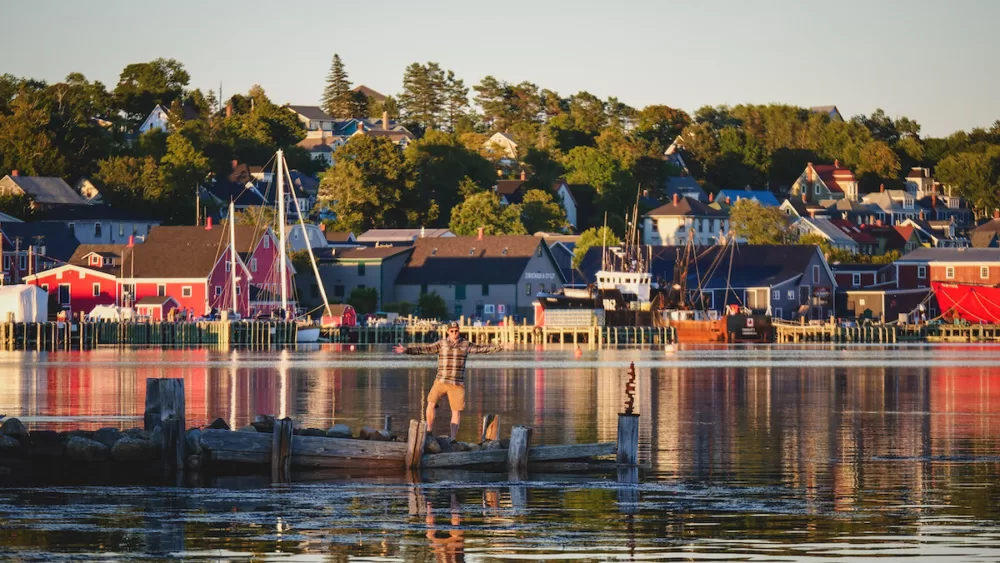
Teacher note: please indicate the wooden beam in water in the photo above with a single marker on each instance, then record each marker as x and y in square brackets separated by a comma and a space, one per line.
[307, 451]
[536, 454]
[281, 451]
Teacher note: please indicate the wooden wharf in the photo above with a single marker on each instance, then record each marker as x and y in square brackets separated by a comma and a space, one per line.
[788, 333]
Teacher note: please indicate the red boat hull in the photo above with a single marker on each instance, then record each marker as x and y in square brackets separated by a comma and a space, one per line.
[974, 303]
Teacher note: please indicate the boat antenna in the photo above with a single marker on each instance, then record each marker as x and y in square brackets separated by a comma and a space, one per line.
[604, 244]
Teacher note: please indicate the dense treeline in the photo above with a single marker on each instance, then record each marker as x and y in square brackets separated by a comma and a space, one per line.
[80, 128]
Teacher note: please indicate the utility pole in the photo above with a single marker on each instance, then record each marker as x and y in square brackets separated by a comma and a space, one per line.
[32, 267]
[16, 267]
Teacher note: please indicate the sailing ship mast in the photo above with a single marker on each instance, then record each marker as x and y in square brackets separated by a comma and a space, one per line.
[282, 267]
[312, 257]
[232, 255]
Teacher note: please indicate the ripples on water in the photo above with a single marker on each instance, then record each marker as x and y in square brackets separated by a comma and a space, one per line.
[767, 454]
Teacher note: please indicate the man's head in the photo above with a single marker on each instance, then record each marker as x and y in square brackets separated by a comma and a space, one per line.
[453, 331]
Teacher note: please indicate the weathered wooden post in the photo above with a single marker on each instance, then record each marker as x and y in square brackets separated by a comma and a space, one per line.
[491, 428]
[387, 424]
[415, 443]
[517, 451]
[151, 416]
[628, 425]
[281, 451]
[165, 409]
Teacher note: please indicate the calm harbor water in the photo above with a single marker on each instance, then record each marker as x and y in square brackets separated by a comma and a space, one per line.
[761, 454]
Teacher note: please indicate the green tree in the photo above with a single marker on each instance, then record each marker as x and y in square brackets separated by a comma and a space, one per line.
[130, 182]
[817, 240]
[364, 300]
[661, 123]
[25, 142]
[16, 205]
[143, 85]
[77, 108]
[485, 210]
[587, 165]
[437, 165]
[365, 185]
[540, 212]
[184, 169]
[261, 216]
[456, 100]
[423, 99]
[758, 224]
[493, 98]
[595, 236]
[337, 96]
[879, 161]
[976, 176]
[432, 306]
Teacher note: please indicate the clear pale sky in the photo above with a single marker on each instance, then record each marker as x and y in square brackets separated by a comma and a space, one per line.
[932, 61]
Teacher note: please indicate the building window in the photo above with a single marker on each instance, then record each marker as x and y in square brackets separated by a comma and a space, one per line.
[921, 272]
[218, 290]
[538, 252]
[97, 230]
[861, 302]
[856, 280]
[121, 229]
[64, 294]
[488, 309]
[186, 291]
[984, 272]
[949, 272]
[22, 262]
[361, 268]
[816, 189]
[553, 288]
[338, 291]
[777, 312]
[486, 289]
[253, 264]
[45, 287]
[161, 290]
[227, 266]
[815, 274]
[527, 289]
[776, 295]
[97, 290]
[267, 242]
[460, 291]
[72, 229]
[238, 292]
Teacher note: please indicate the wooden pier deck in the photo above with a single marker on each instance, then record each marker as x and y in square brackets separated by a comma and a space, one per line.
[788, 333]
[592, 336]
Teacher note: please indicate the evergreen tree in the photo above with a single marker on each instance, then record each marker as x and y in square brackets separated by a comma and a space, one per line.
[424, 94]
[456, 100]
[338, 100]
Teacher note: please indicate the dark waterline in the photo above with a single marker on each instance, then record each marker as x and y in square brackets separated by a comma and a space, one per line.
[769, 454]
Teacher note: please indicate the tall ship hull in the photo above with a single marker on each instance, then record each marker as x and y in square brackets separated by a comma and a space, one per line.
[970, 302]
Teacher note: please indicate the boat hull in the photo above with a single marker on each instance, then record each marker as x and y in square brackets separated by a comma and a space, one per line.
[973, 303]
[307, 335]
[699, 331]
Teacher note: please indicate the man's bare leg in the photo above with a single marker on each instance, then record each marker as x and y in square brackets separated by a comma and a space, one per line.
[430, 416]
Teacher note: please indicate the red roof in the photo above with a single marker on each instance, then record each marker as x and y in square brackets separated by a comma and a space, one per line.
[853, 231]
[830, 173]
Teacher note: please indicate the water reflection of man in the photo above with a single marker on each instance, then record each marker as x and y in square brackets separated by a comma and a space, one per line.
[448, 545]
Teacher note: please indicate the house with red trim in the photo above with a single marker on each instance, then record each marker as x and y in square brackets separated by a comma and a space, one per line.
[190, 265]
[825, 181]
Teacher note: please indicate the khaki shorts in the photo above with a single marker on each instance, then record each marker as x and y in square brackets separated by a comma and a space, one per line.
[456, 394]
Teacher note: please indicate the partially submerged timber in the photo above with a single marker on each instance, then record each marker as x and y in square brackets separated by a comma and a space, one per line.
[163, 448]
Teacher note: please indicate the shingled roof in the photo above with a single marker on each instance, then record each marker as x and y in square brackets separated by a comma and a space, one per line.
[42, 189]
[684, 205]
[470, 260]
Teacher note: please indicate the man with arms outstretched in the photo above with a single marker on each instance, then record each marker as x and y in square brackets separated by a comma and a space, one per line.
[452, 352]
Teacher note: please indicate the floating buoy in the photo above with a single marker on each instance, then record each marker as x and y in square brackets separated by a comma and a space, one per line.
[669, 349]
[578, 352]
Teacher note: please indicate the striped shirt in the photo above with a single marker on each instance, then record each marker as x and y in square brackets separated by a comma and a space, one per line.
[452, 355]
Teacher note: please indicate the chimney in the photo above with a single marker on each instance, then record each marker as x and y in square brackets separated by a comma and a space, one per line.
[208, 222]
[322, 227]
[229, 109]
[881, 188]
[934, 200]
[711, 197]
[805, 197]
[422, 232]
[14, 173]
[645, 193]
[523, 176]
[836, 163]
[235, 163]
[809, 171]
[996, 214]
[727, 200]
[385, 120]
[677, 199]
[479, 235]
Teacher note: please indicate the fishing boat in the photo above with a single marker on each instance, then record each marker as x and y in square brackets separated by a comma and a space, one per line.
[975, 303]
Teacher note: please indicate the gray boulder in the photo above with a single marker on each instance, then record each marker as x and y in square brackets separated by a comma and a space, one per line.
[14, 428]
[108, 436]
[134, 449]
[193, 439]
[366, 433]
[137, 433]
[492, 445]
[380, 436]
[263, 423]
[85, 449]
[339, 431]
[219, 424]
[432, 447]
[445, 443]
[9, 445]
[46, 443]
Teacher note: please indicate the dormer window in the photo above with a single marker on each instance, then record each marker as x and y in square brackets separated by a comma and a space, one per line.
[95, 260]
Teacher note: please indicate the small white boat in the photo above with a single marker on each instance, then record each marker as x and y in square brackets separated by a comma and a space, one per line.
[307, 334]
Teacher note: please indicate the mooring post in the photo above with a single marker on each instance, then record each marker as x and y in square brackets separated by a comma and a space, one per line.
[491, 428]
[151, 416]
[628, 439]
[172, 420]
[415, 443]
[281, 451]
[387, 424]
[517, 451]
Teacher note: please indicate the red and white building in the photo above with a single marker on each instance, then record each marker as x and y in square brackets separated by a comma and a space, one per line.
[190, 265]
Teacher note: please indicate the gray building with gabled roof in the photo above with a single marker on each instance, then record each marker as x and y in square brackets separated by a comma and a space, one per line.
[488, 278]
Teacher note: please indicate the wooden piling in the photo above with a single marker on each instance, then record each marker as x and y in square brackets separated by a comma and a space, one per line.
[628, 439]
[415, 443]
[517, 451]
[281, 451]
[491, 428]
